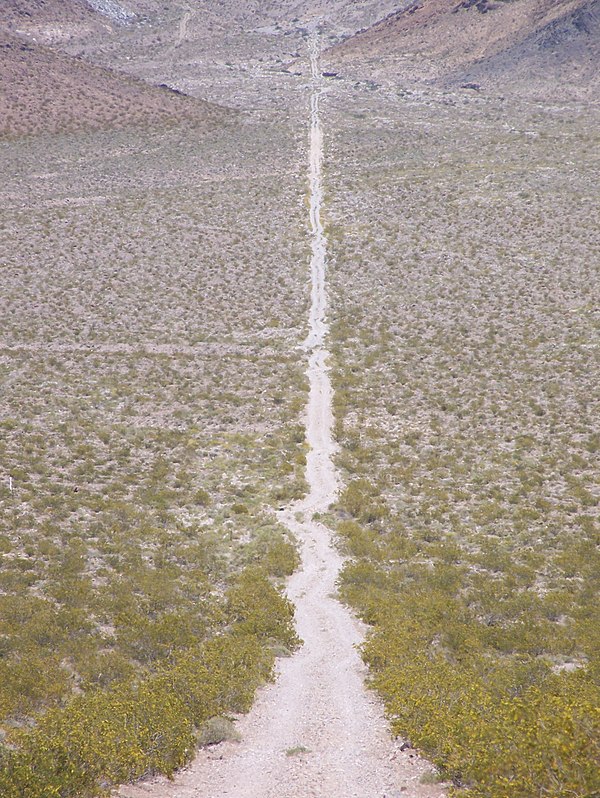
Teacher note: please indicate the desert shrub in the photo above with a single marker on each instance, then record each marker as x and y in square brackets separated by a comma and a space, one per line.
[147, 639]
[466, 666]
[361, 541]
[136, 727]
[98, 669]
[362, 500]
[34, 681]
[465, 424]
[118, 539]
[216, 730]
[498, 728]
[281, 558]
[202, 497]
[255, 607]
[273, 552]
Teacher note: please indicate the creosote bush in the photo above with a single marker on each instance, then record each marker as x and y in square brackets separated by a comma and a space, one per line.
[464, 372]
[150, 725]
[147, 434]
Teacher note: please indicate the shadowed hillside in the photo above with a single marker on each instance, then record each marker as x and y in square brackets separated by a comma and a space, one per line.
[563, 54]
[534, 46]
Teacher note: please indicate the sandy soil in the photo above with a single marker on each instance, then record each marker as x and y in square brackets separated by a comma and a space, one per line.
[316, 731]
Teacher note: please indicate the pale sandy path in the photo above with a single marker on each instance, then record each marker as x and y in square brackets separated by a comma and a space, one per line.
[318, 701]
[183, 27]
[182, 31]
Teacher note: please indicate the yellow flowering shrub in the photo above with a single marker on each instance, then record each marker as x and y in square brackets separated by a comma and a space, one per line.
[149, 725]
[254, 607]
[495, 724]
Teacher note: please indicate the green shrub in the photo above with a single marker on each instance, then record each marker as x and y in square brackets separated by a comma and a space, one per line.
[255, 607]
[140, 726]
[535, 732]
[136, 727]
[216, 730]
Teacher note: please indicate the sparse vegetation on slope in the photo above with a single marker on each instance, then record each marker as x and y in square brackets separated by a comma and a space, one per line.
[45, 91]
[534, 48]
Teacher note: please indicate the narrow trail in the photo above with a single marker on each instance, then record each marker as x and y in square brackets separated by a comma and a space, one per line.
[182, 31]
[183, 26]
[316, 731]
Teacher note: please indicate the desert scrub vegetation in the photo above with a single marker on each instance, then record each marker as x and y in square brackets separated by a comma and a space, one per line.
[151, 724]
[84, 96]
[151, 420]
[465, 327]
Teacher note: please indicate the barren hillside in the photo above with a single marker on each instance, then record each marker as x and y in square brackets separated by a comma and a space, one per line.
[563, 54]
[531, 45]
[51, 20]
[47, 90]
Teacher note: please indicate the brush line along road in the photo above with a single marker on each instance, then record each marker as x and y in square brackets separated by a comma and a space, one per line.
[315, 731]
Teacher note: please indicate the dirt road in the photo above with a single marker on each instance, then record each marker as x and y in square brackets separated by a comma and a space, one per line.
[316, 731]
[183, 26]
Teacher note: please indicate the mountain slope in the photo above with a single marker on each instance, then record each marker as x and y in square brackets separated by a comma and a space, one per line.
[46, 91]
[564, 55]
[51, 21]
[495, 40]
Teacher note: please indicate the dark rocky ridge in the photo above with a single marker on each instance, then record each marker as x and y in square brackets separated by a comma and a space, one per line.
[562, 57]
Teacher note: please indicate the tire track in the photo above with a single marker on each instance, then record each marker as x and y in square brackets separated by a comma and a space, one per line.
[316, 731]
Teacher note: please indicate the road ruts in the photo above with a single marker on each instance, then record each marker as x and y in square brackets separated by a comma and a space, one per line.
[315, 732]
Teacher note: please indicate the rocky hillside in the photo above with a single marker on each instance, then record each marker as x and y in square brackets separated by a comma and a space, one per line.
[47, 90]
[51, 21]
[542, 46]
[561, 58]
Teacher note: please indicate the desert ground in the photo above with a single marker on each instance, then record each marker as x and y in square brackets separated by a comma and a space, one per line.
[299, 365]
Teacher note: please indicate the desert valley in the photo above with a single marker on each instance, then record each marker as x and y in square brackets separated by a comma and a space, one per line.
[299, 368]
